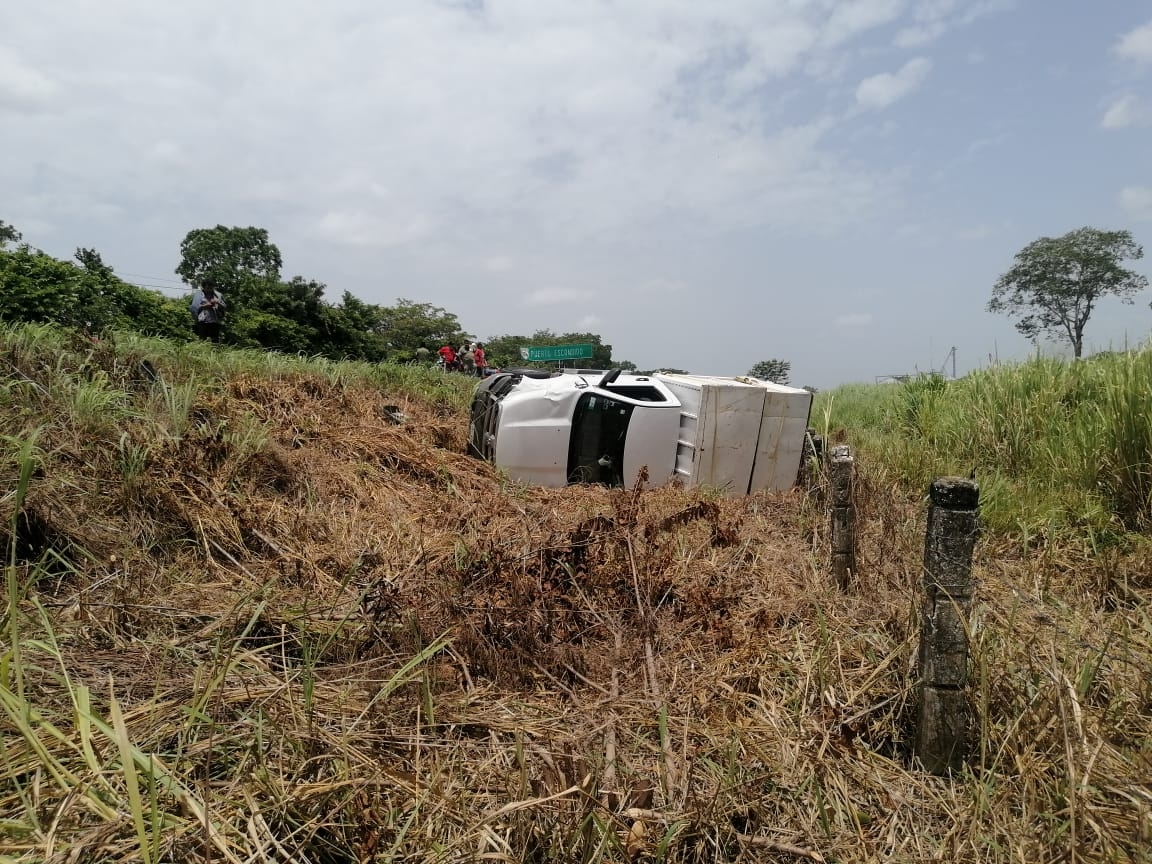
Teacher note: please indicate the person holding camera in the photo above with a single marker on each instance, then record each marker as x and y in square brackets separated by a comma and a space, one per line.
[208, 310]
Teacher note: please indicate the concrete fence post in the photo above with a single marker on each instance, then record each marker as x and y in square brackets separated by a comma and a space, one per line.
[842, 514]
[953, 525]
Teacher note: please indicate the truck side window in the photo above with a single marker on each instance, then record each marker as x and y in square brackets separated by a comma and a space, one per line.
[596, 451]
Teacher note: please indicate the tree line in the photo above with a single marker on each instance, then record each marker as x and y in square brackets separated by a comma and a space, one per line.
[265, 309]
[1051, 290]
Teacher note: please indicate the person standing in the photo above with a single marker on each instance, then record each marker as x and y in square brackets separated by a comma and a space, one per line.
[208, 310]
[479, 359]
[468, 359]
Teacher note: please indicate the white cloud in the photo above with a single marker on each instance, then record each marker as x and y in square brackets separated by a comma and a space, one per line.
[1136, 44]
[774, 50]
[853, 319]
[661, 286]
[1127, 111]
[23, 88]
[589, 321]
[920, 34]
[497, 264]
[1136, 201]
[976, 232]
[167, 151]
[979, 145]
[932, 18]
[851, 17]
[984, 230]
[560, 120]
[30, 226]
[884, 89]
[557, 296]
[363, 228]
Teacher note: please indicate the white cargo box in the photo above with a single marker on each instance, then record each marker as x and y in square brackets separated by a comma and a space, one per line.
[740, 435]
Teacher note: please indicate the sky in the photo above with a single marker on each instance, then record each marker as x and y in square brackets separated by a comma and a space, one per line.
[836, 183]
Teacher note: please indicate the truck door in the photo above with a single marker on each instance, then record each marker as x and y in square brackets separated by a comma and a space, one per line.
[596, 450]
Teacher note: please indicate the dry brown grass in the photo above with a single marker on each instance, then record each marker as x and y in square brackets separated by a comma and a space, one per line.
[354, 643]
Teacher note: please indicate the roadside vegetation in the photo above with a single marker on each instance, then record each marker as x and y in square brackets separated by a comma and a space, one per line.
[250, 617]
[1062, 451]
[265, 310]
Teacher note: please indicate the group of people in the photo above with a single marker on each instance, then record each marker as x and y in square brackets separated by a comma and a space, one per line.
[468, 358]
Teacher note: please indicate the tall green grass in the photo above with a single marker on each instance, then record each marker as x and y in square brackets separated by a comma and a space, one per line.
[1055, 445]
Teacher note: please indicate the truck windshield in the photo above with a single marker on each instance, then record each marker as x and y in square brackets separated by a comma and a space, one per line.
[596, 452]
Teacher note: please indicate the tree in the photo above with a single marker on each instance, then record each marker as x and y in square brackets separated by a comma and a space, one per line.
[34, 286]
[8, 234]
[105, 301]
[37, 287]
[355, 329]
[772, 370]
[91, 261]
[1056, 282]
[408, 326]
[242, 260]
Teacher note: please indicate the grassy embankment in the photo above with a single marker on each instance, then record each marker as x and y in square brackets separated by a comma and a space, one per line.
[1061, 450]
[250, 619]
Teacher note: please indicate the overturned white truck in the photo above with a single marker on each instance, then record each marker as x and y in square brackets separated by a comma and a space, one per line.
[739, 435]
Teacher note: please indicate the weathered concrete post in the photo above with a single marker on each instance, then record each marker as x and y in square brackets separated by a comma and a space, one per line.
[953, 525]
[842, 514]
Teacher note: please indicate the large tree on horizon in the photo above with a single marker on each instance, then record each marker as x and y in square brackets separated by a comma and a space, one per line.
[239, 259]
[774, 370]
[1056, 282]
[410, 325]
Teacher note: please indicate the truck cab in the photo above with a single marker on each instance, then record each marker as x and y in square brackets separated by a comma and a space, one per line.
[737, 435]
[577, 427]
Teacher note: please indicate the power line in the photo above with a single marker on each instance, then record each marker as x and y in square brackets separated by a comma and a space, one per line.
[153, 278]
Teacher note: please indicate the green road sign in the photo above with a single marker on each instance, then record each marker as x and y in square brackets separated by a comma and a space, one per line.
[552, 353]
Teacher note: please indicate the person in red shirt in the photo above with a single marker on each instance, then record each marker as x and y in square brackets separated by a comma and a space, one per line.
[448, 354]
[481, 362]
